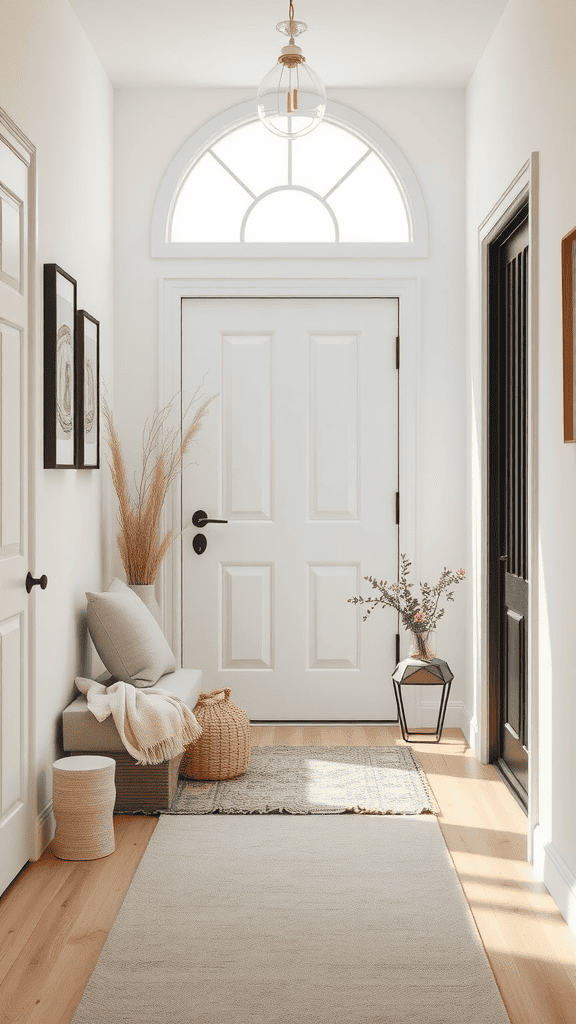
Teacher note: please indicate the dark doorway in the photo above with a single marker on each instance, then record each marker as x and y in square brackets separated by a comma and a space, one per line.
[508, 503]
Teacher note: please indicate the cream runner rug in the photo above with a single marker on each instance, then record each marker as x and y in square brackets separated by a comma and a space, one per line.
[280, 919]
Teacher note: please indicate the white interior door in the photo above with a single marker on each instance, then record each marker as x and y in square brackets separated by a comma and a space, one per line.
[300, 455]
[15, 832]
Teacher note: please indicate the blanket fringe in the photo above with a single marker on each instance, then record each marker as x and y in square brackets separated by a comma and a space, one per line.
[172, 746]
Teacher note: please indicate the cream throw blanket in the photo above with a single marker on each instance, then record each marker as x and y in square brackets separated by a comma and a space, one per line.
[153, 725]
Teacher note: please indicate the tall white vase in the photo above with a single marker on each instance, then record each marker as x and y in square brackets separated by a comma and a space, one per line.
[147, 595]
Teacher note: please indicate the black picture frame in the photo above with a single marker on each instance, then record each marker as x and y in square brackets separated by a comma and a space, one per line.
[87, 390]
[60, 411]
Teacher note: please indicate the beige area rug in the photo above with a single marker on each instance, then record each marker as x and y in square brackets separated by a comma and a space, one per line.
[294, 920]
[315, 780]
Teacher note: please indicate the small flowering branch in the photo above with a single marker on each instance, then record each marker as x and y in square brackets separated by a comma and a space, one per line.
[418, 615]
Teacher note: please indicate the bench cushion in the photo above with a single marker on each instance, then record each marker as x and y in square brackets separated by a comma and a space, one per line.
[84, 732]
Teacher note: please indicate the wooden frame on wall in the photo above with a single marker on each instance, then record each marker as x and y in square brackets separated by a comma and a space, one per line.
[87, 390]
[60, 412]
[568, 331]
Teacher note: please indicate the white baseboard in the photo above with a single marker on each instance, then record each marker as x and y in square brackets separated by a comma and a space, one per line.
[551, 868]
[45, 829]
[457, 717]
[470, 729]
[538, 858]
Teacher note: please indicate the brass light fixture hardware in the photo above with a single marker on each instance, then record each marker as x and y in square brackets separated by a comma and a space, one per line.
[291, 98]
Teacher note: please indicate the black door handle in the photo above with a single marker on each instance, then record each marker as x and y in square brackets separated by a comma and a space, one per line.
[200, 519]
[31, 582]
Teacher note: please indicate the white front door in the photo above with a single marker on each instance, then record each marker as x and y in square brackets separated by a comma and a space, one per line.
[300, 454]
[15, 828]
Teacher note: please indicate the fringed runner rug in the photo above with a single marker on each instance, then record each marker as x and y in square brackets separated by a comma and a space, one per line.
[315, 780]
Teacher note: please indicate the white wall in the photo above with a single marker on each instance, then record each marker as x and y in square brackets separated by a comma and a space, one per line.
[522, 98]
[53, 86]
[428, 125]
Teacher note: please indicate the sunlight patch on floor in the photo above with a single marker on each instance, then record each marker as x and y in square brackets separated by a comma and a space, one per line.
[521, 948]
[483, 864]
[511, 898]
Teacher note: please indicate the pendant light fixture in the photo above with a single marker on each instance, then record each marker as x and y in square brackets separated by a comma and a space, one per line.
[291, 98]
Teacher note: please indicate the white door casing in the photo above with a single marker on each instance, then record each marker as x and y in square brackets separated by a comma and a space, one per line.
[301, 458]
[299, 279]
[17, 260]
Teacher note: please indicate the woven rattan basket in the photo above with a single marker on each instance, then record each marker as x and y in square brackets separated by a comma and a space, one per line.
[223, 750]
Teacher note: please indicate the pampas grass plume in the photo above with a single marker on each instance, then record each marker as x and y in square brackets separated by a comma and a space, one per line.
[140, 543]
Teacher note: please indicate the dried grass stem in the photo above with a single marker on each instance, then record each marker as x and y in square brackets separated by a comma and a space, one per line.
[140, 543]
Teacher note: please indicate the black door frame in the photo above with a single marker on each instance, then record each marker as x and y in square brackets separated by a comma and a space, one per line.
[524, 184]
[497, 412]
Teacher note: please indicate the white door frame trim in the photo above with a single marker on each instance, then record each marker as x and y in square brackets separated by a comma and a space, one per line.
[524, 186]
[171, 293]
[21, 145]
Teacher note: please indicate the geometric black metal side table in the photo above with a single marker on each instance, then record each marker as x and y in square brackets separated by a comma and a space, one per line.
[414, 672]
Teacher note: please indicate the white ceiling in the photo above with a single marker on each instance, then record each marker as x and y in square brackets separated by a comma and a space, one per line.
[357, 43]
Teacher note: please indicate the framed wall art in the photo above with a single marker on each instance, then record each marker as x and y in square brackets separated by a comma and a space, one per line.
[568, 331]
[88, 390]
[59, 368]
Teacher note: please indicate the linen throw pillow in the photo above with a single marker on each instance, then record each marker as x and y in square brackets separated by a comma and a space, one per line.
[127, 637]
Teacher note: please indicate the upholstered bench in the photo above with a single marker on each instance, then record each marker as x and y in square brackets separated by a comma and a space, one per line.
[139, 787]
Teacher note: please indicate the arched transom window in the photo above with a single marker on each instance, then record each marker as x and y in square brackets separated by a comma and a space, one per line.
[244, 186]
[252, 186]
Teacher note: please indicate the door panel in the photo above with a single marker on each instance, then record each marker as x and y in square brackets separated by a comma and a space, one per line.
[300, 455]
[15, 838]
[514, 705]
[247, 617]
[509, 502]
[333, 456]
[247, 467]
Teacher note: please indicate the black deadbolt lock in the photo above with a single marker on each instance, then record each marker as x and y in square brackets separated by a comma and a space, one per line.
[200, 543]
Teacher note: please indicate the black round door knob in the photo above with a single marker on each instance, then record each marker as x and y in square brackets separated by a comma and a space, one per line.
[31, 582]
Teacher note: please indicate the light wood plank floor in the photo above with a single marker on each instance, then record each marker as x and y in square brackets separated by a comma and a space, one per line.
[56, 915]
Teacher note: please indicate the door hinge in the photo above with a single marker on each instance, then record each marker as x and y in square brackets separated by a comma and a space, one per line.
[397, 648]
[397, 508]
[397, 353]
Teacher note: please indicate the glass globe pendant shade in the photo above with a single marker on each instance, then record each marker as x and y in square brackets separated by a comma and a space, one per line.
[291, 101]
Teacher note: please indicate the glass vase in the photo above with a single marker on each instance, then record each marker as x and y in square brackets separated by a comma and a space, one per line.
[423, 645]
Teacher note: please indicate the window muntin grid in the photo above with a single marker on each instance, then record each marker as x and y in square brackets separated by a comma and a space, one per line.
[252, 186]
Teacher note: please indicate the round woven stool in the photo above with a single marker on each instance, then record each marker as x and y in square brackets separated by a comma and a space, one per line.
[84, 795]
[223, 750]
